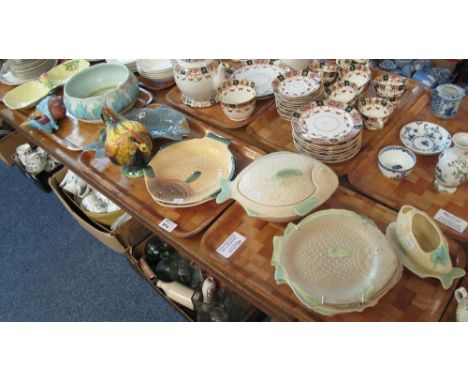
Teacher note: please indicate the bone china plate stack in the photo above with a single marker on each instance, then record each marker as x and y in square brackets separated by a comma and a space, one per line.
[329, 131]
[296, 89]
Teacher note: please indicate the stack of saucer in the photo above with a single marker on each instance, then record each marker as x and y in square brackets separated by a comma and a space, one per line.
[130, 63]
[25, 70]
[157, 74]
[329, 131]
[295, 89]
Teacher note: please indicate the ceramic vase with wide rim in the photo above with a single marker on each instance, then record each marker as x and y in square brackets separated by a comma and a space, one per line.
[452, 165]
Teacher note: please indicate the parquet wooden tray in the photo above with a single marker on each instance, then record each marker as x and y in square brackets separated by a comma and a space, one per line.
[189, 220]
[417, 189]
[275, 133]
[451, 311]
[412, 299]
[214, 115]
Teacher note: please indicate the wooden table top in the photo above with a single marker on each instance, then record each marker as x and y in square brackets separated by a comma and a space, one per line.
[411, 299]
[417, 189]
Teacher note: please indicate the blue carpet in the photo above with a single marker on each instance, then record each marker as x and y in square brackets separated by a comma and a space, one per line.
[53, 270]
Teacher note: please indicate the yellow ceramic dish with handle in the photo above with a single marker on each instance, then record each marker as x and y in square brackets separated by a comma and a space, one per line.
[26, 95]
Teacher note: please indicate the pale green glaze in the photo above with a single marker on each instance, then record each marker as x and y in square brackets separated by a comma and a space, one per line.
[225, 192]
[289, 173]
[337, 252]
[306, 206]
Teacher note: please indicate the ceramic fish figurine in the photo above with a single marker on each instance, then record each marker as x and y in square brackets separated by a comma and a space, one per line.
[48, 112]
[127, 143]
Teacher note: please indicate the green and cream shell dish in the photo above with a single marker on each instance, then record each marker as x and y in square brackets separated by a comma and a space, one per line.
[281, 186]
[422, 247]
[336, 261]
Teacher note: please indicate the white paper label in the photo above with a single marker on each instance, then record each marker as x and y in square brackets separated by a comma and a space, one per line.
[168, 225]
[451, 220]
[230, 245]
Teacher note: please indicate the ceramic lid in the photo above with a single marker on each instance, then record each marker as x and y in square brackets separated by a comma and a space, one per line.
[281, 186]
[337, 258]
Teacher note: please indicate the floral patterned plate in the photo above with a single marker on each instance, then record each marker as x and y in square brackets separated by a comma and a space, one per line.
[297, 84]
[327, 122]
[262, 73]
[425, 138]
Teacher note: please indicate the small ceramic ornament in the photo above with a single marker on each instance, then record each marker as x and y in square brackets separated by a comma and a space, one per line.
[208, 290]
[462, 310]
[47, 114]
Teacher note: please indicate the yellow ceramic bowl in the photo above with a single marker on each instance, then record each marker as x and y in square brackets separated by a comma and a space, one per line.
[106, 218]
[26, 95]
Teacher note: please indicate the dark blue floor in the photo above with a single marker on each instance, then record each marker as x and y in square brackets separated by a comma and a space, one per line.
[53, 270]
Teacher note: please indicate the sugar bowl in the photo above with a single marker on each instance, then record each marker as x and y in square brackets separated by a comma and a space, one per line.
[375, 111]
[237, 98]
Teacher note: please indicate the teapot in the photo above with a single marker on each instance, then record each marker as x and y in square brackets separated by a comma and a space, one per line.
[198, 80]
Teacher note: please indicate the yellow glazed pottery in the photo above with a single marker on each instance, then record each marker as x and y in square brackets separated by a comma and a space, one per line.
[188, 173]
[26, 95]
[422, 240]
[61, 73]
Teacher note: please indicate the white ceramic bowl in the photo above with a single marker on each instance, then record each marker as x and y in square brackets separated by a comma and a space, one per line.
[237, 98]
[396, 162]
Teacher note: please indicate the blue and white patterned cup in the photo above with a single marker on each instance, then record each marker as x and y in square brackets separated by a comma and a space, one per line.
[446, 100]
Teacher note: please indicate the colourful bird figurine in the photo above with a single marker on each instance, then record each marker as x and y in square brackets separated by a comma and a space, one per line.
[127, 143]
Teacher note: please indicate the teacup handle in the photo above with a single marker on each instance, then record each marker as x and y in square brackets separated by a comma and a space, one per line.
[461, 294]
[86, 190]
[380, 124]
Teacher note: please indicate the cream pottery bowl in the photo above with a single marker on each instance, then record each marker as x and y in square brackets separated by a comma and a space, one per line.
[422, 240]
[281, 186]
[296, 64]
[237, 99]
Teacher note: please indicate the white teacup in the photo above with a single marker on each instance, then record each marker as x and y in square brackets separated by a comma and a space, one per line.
[375, 112]
[462, 310]
[34, 163]
[93, 203]
[75, 185]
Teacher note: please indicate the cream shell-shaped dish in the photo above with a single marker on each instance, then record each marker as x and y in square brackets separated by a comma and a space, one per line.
[26, 95]
[188, 172]
[336, 261]
[281, 186]
[445, 279]
[423, 241]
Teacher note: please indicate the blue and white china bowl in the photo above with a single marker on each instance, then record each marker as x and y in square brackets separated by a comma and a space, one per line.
[388, 65]
[425, 138]
[446, 100]
[396, 162]
[422, 64]
[427, 78]
[88, 91]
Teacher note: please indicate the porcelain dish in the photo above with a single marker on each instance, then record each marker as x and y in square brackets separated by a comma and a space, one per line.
[58, 75]
[425, 138]
[26, 95]
[188, 172]
[359, 77]
[17, 72]
[237, 98]
[261, 73]
[396, 162]
[130, 63]
[445, 279]
[375, 112]
[327, 71]
[104, 84]
[390, 86]
[343, 91]
[281, 186]
[336, 261]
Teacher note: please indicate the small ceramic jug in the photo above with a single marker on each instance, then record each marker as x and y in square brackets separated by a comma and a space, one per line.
[23, 151]
[35, 163]
[423, 241]
[446, 100]
[93, 203]
[75, 185]
[452, 165]
[462, 310]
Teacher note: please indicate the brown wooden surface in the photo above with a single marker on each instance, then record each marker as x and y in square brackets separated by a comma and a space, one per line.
[417, 189]
[450, 312]
[189, 220]
[213, 115]
[412, 299]
[274, 133]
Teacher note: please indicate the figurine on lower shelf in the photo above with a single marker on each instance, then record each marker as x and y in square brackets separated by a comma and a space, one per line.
[47, 114]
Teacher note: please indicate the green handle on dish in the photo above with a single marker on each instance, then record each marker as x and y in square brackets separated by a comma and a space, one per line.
[218, 138]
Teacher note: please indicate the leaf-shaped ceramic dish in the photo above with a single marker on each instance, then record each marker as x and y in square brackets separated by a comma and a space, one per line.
[445, 279]
[281, 186]
[189, 172]
[26, 95]
[61, 73]
[336, 261]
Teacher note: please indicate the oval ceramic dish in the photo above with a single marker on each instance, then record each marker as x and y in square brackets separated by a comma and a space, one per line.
[105, 84]
[281, 186]
[445, 279]
[336, 261]
[26, 95]
[60, 74]
[188, 172]
[425, 138]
